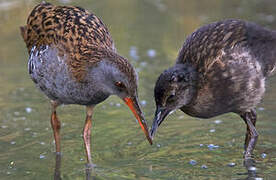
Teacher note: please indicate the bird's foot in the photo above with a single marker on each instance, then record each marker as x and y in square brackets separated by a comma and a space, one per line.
[90, 165]
[248, 163]
[58, 153]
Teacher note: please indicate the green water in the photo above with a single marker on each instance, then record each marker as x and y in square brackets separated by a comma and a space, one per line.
[149, 33]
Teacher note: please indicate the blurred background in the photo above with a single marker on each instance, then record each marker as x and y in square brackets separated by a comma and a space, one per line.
[149, 33]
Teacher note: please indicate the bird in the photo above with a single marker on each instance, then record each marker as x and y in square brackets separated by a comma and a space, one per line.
[73, 60]
[222, 67]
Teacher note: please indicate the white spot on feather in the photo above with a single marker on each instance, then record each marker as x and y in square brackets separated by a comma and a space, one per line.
[225, 74]
[59, 59]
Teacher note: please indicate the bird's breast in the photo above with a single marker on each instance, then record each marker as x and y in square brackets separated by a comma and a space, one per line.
[49, 70]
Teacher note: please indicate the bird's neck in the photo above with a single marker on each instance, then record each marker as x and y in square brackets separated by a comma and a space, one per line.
[190, 81]
[102, 76]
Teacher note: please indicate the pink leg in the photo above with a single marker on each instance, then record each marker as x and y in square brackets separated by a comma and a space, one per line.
[55, 125]
[87, 132]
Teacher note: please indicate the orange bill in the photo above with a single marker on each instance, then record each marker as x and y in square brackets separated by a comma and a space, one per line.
[135, 108]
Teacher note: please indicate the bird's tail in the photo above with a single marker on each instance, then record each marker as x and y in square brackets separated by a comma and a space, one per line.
[23, 30]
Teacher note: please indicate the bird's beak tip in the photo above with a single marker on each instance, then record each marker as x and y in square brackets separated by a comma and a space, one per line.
[150, 141]
[135, 108]
[160, 115]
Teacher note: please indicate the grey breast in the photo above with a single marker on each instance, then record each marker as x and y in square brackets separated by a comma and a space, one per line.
[50, 73]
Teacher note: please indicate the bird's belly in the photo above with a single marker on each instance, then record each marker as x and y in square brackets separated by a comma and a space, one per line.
[207, 110]
[238, 87]
[50, 73]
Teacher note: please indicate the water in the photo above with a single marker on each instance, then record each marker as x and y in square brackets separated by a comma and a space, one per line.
[149, 33]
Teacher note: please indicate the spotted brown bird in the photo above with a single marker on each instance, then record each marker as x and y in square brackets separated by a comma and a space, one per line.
[222, 67]
[72, 59]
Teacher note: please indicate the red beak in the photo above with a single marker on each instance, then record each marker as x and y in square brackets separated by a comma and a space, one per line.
[135, 108]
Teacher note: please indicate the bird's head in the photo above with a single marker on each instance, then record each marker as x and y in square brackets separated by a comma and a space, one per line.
[118, 77]
[174, 89]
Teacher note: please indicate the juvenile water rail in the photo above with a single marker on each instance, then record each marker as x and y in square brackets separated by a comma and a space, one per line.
[73, 60]
[222, 67]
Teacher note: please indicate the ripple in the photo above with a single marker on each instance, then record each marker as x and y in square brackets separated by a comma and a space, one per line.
[42, 143]
[143, 102]
[41, 156]
[212, 147]
[192, 162]
[4, 126]
[217, 121]
[16, 113]
[252, 168]
[263, 155]
[212, 130]
[151, 53]
[158, 145]
[232, 164]
[28, 109]
[133, 52]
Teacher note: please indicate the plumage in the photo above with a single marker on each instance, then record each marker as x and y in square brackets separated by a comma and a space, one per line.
[207, 45]
[73, 60]
[75, 32]
[221, 68]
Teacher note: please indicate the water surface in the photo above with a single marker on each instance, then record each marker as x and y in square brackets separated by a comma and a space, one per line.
[149, 33]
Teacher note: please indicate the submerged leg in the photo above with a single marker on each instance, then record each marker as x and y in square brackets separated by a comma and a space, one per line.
[87, 132]
[57, 167]
[251, 133]
[55, 125]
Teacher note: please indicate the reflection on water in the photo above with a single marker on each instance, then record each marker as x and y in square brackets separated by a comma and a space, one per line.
[250, 166]
[89, 172]
[149, 33]
[57, 174]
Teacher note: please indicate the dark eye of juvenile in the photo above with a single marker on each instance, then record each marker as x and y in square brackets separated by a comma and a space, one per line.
[170, 97]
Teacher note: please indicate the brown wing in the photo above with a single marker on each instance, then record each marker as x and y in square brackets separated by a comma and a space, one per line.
[73, 30]
[205, 46]
[70, 26]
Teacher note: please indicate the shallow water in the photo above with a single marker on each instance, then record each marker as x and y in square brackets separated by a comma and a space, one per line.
[149, 33]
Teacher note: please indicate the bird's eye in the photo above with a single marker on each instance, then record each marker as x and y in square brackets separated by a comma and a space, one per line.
[170, 97]
[120, 85]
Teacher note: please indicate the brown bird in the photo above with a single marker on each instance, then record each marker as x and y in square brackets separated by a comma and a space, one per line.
[72, 59]
[221, 68]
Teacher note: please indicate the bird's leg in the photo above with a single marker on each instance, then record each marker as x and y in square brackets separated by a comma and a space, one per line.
[251, 134]
[87, 132]
[55, 125]
[247, 137]
[57, 167]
